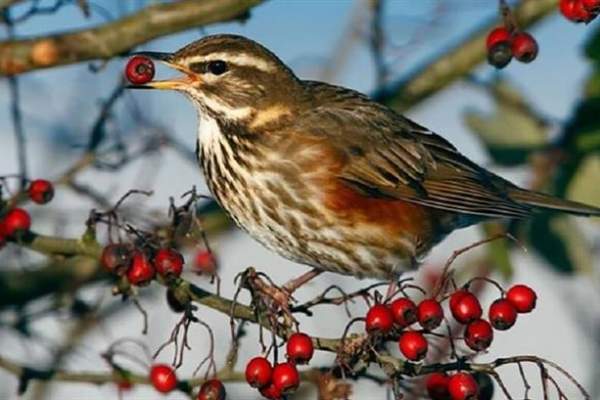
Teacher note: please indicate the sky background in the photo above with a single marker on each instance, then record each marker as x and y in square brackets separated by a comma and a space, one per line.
[60, 104]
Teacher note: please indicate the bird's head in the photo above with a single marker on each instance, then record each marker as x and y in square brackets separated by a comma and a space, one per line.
[228, 76]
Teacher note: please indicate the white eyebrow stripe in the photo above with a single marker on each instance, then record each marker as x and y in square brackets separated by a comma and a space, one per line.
[243, 59]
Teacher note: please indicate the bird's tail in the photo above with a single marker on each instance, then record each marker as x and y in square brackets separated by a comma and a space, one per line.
[547, 202]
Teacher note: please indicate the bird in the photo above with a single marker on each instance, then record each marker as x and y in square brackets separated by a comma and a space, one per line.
[325, 176]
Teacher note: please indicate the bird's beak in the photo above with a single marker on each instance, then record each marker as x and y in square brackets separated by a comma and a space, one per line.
[165, 84]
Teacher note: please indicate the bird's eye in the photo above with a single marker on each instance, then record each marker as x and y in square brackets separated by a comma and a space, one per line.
[217, 67]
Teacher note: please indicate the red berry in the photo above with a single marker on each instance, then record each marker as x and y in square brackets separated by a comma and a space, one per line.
[413, 345]
[205, 262]
[258, 372]
[404, 312]
[116, 258]
[168, 262]
[124, 385]
[41, 191]
[141, 270]
[139, 70]
[3, 234]
[500, 55]
[16, 222]
[285, 377]
[575, 11]
[465, 307]
[524, 47]
[379, 319]
[498, 35]
[462, 386]
[522, 297]
[437, 386]
[479, 335]
[163, 378]
[271, 392]
[592, 6]
[300, 348]
[430, 314]
[502, 314]
[212, 390]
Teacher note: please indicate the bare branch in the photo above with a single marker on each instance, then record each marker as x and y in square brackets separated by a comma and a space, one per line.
[458, 61]
[115, 38]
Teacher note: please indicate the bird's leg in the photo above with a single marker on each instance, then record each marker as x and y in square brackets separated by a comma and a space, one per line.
[292, 285]
[391, 290]
[393, 286]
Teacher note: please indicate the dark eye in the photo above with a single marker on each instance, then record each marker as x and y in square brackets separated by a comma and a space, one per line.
[217, 67]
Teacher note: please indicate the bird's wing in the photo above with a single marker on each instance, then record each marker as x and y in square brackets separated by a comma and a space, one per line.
[388, 155]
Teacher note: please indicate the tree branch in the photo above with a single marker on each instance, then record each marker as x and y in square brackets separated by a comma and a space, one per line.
[458, 61]
[115, 38]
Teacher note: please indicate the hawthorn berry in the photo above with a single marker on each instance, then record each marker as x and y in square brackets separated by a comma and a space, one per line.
[139, 70]
[205, 262]
[212, 389]
[524, 47]
[500, 55]
[464, 306]
[285, 377]
[592, 6]
[430, 314]
[168, 262]
[271, 392]
[522, 297]
[124, 385]
[379, 319]
[40, 191]
[404, 312]
[299, 348]
[116, 258]
[16, 222]
[498, 35]
[413, 345]
[462, 386]
[502, 314]
[163, 378]
[437, 386]
[141, 270]
[3, 234]
[574, 10]
[258, 372]
[479, 335]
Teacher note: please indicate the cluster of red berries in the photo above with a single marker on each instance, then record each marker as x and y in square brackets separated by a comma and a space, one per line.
[503, 44]
[580, 10]
[274, 382]
[16, 221]
[139, 266]
[164, 380]
[395, 320]
[139, 70]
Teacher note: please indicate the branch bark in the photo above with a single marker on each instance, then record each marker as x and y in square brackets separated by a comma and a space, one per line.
[457, 62]
[115, 38]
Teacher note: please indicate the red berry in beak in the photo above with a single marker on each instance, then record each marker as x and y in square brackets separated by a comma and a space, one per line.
[139, 70]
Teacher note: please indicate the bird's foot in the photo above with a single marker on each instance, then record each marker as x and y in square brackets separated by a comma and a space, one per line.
[267, 295]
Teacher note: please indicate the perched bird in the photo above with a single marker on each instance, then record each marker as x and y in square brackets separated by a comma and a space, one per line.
[325, 176]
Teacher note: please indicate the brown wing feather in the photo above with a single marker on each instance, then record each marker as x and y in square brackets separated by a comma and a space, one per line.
[388, 155]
